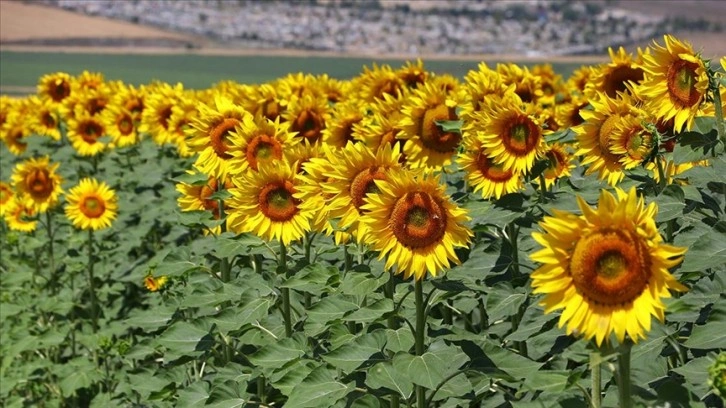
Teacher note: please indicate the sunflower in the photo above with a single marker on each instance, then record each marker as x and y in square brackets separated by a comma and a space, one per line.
[20, 215]
[612, 78]
[311, 195]
[158, 108]
[264, 100]
[632, 140]
[84, 132]
[375, 82]
[354, 171]
[195, 197]
[211, 132]
[36, 181]
[154, 284]
[91, 205]
[46, 118]
[671, 170]
[413, 74]
[427, 144]
[297, 85]
[344, 124]
[675, 82]
[120, 125]
[14, 131]
[6, 195]
[302, 152]
[527, 86]
[417, 226]
[595, 136]
[580, 78]
[559, 164]
[608, 268]
[88, 80]
[257, 140]
[479, 86]
[550, 83]
[483, 174]
[263, 203]
[180, 123]
[567, 114]
[131, 99]
[55, 87]
[333, 89]
[307, 116]
[512, 134]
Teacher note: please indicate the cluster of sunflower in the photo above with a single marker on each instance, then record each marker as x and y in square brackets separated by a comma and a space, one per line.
[362, 159]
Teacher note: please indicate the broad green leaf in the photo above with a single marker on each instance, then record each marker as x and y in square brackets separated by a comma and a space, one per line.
[247, 311]
[547, 381]
[532, 323]
[312, 279]
[671, 203]
[176, 263]
[515, 365]
[227, 394]
[399, 340]
[352, 355]
[362, 283]
[147, 382]
[450, 125]
[194, 179]
[152, 319]
[330, 308]
[504, 301]
[710, 335]
[76, 380]
[696, 373]
[385, 375]
[694, 146]
[372, 312]
[366, 401]
[318, 389]
[194, 396]
[290, 375]
[277, 354]
[707, 251]
[243, 244]
[182, 338]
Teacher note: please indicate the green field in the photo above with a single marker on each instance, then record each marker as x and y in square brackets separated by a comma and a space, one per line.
[22, 69]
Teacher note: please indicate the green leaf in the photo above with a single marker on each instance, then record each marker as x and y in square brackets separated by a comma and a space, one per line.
[399, 340]
[176, 263]
[515, 365]
[249, 310]
[74, 381]
[312, 279]
[220, 195]
[386, 375]
[182, 338]
[318, 389]
[707, 251]
[372, 312]
[694, 146]
[147, 382]
[330, 308]
[504, 301]
[696, 373]
[362, 283]
[290, 375]
[671, 203]
[227, 394]
[352, 355]
[193, 396]
[450, 125]
[277, 354]
[710, 335]
[152, 319]
[194, 179]
[548, 381]
[243, 244]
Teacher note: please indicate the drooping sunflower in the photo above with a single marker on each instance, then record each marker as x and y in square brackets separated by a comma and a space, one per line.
[307, 116]
[427, 144]
[263, 203]
[119, 123]
[6, 195]
[608, 268]
[512, 134]
[354, 171]
[91, 205]
[20, 215]
[210, 135]
[483, 174]
[612, 78]
[84, 132]
[55, 87]
[36, 180]
[675, 82]
[417, 225]
[256, 140]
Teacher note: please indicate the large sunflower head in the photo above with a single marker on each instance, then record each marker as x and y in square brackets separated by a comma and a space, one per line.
[91, 205]
[180, 123]
[88, 80]
[263, 202]
[20, 215]
[307, 116]
[413, 74]
[14, 132]
[158, 107]
[45, 117]
[612, 78]
[375, 82]
[344, 123]
[131, 99]
[36, 180]
[427, 144]
[580, 78]
[633, 140]
[512, 134]
[353, 175]
[417, 225]
[567, 114]
[211, 135]
[333, 89]
[257, 140]
[675, 82]
[84, 132]
[55, 87]
[483, 174]
[550, 83]
[527, 86]
[120, 125]
[608, 268]
[479, 86]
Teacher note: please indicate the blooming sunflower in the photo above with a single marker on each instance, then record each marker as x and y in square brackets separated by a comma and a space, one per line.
[55, 87]
[158, 108]
[84, 132]
[479, 86]
[567, 114]
[675, 82]
[36, 181]
[211, 132]
[119, 123]
[559, 164]
[264, 100]
[91, 205]
[333, 89]
[413, 74]
[131, 99]
[417, 226]
[483, 174]
[527, 86]
[256, 140]
[154, 284]
[632, 140]
[512, 134]
[307, 116]
[6, 195]
[354, 171]
[608, 268]
[580, 78]
[45, 119]
[375, 82]
[427, 144]
[263, 203]
[311, 195]
[550, 83]
[180, 123]
[195, 197]
[20, 215]
[612, 78]
[344, 124]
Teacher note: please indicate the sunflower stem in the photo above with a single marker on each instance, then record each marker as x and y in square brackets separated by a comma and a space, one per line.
[662, 180]
[623, 375]
[419, 335]
[390, 292]
[282, 266]
[542, 189]
[512, 232]
[92, 284]
[261, 385]
[49, 229]
[596, 376]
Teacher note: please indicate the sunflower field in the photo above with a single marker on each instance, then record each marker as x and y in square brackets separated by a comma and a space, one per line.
[511, 238]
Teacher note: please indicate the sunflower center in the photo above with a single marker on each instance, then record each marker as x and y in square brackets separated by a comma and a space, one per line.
[61, 90]
[618, 77]
[610, 267]
[96, 105]
[490, 170]
[521, 136]
[48, 120]
[418, 220]
[364, 184]
[276, 201]
[556, 164]
[271, 109]
[432, 136]
[218, 137]
[40, 185]
[90, 131]
[682, 80]
[125, 125]
[92, 206]
[309, 124]
[263, 148]
[576, 118]
[164, 116]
